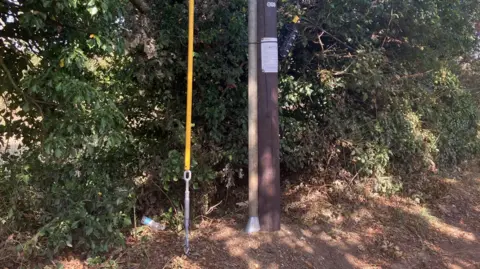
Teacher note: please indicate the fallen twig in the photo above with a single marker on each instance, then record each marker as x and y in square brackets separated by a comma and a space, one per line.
[210, 210]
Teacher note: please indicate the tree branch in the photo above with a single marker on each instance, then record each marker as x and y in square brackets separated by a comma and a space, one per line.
[140, 5]
[12, 81]
[414, 75]
[337, 39]
[9, 75]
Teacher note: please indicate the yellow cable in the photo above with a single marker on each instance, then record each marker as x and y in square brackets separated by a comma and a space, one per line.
[188, 129]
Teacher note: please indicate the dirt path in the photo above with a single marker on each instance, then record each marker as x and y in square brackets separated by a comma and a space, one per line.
[378, 232]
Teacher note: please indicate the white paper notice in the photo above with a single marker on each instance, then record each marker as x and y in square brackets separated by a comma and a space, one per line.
[269, 51]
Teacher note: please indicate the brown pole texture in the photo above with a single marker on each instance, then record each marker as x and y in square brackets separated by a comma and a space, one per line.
[268, 123]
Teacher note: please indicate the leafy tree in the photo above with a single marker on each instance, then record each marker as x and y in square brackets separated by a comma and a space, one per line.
[62, 78]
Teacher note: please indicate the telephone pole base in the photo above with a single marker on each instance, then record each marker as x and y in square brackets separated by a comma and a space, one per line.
[253, 225]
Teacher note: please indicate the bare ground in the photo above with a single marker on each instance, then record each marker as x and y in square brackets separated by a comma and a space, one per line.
[323, 231]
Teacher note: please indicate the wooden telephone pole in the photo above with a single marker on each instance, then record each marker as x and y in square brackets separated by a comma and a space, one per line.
[268, 121]
[263, 124]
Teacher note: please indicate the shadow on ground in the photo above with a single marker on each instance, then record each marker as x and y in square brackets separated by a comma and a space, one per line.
[379, 232]
[359, 232]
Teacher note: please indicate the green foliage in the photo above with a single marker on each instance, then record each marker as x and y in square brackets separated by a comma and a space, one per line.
[371, 159]
[96, 94]
[457, 125]
[63, 106]
[387, 185]
[79, 204]
[375, 70]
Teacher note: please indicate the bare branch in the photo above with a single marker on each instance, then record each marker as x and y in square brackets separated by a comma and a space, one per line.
[417, 75]
[337, 39]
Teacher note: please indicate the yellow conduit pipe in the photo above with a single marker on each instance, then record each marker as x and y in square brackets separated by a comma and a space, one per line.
[187, 175]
